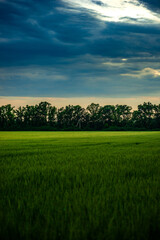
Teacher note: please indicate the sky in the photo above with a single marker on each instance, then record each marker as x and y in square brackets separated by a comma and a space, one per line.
[79, 51]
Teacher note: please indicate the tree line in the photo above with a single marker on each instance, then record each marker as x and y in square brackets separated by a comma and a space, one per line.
[44, 116]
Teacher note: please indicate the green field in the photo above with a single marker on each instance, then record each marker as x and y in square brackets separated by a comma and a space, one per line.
[80, 185]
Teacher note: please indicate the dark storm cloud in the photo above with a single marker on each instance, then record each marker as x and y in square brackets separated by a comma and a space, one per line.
[151, 4]
[49, 48]
[33, 30]
[125, 40]
[97, 2]
[28, 32]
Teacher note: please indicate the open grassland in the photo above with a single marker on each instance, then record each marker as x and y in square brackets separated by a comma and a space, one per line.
[80, 185]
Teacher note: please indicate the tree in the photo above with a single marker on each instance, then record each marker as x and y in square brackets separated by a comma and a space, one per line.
[143, 117]
[106, 115]
[7, 118]
[94, 119]
[42, 112]
[79, 116]
[71, 116]
[122, 115]
[19, 116]
[52, 115]
[29, 115]
[157, 116]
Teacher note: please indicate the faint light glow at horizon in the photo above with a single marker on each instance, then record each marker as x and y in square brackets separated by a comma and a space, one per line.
[116, 10]
[83, 101]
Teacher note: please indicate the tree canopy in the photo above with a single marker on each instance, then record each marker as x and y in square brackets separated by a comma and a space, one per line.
[44, 116]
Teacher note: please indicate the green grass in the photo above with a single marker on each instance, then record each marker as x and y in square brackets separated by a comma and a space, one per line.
[80, 185]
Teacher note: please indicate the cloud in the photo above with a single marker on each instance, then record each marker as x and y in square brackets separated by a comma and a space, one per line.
[114, 64]
[154, 5]
[146, 72]
[36, 33]
[116, 10]
[34, 73]
[65, 49]
[83, 77]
